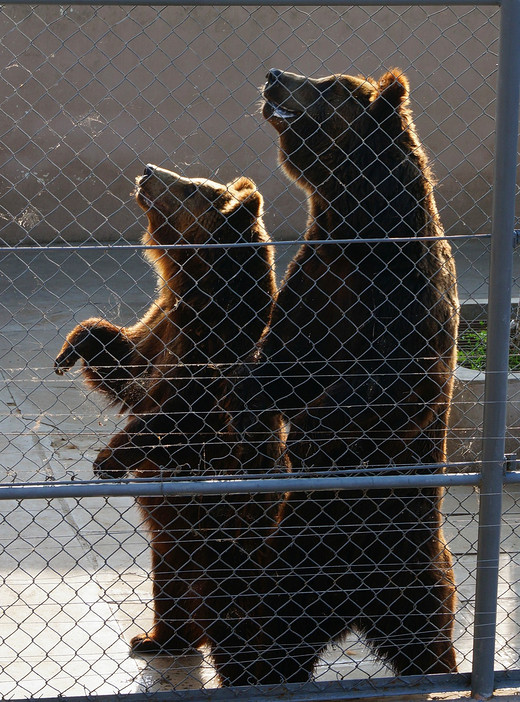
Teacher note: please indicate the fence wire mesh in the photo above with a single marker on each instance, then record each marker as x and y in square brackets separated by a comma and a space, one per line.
[171, 358]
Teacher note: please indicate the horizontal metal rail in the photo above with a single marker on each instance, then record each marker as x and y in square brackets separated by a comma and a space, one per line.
[314, 692]
[295, 692]
[269, 3]
[329, 691]
[249, 244]
[230, 487]
[136, 488]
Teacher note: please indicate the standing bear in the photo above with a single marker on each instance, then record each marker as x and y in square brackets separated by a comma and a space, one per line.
[358, 359]
[215, 295]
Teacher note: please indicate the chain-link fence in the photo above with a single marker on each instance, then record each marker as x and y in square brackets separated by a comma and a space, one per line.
[228, 456]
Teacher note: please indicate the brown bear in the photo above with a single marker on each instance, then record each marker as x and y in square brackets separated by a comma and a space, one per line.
[358, 358]
[212, 304]
[216, 288]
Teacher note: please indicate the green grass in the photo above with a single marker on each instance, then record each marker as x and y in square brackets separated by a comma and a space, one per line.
[472, 351]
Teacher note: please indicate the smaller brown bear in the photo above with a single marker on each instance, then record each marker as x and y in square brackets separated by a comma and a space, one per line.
[233, 289]
[169, 371]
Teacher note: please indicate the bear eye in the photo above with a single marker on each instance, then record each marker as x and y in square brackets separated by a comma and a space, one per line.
[329, 84]
[336, 92]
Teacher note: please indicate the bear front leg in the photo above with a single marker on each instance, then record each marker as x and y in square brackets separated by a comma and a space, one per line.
[137, 449]
[106, 354]
[354, 421]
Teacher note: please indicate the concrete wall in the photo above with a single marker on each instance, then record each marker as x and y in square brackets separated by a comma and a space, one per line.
[87, 96]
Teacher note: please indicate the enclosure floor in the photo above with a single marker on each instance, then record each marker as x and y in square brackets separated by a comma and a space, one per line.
[74, 585]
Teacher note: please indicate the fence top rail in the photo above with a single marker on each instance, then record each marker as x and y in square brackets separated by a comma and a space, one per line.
[267, 3]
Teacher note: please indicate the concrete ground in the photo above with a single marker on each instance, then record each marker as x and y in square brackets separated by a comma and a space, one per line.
[74, 585]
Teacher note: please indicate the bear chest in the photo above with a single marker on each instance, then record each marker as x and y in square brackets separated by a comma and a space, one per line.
[329, 311]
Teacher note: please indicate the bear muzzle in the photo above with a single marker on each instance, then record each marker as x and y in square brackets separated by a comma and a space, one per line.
[278, 95]
[154, 183]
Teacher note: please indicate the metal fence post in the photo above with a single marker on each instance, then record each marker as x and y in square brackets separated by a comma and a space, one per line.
[497, 352]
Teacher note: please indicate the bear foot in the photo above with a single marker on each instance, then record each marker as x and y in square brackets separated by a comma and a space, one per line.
[146, 644]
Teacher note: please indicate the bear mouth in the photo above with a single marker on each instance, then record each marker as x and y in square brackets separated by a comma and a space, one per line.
[140, 194]
[274, 111]
[146, 200]
[143, 199]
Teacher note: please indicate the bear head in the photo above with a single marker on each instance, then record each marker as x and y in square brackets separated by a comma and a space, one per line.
[325, 122]
[196, 210]
[350, 143]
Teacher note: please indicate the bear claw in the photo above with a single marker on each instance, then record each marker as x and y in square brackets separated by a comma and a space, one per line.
[146, 644]
[65, 361]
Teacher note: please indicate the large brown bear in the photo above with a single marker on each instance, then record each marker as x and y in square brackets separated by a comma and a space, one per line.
[168, 370]
[360, 352]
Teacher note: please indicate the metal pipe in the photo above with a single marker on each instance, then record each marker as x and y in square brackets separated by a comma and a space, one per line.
[337, 690]
[495, 396]
[248, 244]
[268, 3]
[228, 487]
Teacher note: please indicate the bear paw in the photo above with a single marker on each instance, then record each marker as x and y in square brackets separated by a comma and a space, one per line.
[65, 359]
[108, 467]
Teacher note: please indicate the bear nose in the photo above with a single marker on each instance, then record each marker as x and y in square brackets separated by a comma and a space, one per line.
[148, 170]
[273, 75]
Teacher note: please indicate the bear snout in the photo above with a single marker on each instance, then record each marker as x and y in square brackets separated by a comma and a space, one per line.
[152, 185]
[149, 171]
[287, 79]
[286, 96]
[273, 75]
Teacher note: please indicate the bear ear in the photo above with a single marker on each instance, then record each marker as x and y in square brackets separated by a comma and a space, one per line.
[247, 196]
[243, 184]
[393, 91]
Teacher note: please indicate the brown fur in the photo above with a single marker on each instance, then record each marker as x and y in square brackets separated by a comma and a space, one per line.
[361, 352]
[169, 369]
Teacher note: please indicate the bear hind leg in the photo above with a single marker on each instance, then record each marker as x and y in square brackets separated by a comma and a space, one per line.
[178, 598]
[412, 627]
